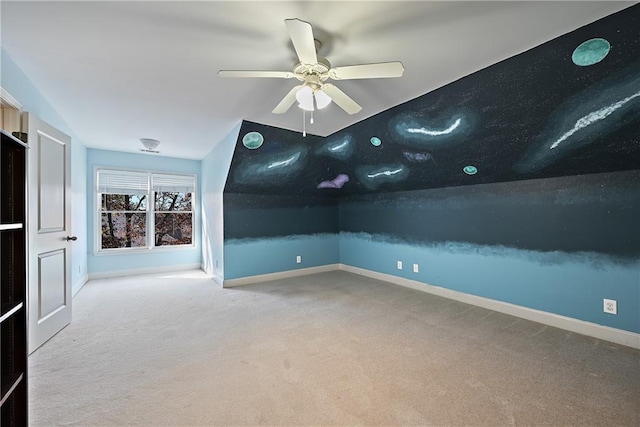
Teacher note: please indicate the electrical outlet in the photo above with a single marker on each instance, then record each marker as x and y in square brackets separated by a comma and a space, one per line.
[610, 306]
[79, 269]
[298, 259]
[399, 265]
[416, 269]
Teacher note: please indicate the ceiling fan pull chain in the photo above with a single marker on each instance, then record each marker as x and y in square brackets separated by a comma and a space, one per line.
[311, 120]
[304, 124]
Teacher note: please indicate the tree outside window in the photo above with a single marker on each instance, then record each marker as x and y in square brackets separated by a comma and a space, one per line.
[173, 219]
[140, 209]
[124, 221]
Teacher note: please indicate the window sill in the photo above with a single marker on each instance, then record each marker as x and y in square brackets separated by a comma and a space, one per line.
[136, 251]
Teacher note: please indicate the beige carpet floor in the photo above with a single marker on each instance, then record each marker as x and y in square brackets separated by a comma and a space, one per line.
[329, 349]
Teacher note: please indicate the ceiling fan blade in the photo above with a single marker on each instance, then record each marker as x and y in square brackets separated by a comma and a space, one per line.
[368, 71]
[287, 101]
[270, 74]
[301, 35]
[341, 99]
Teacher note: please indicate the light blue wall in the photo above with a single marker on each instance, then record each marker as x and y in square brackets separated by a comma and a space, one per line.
[140, 262]
[251, 257]
[568, 284]
[19, 86]
[214, 169]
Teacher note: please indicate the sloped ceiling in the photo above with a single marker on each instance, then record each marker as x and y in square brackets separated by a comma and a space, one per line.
[120, 71]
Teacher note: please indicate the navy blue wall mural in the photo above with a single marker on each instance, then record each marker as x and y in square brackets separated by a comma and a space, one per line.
[517, 183]
[568, 107]
[274, 161]
[596, 213]
[266, 228]
[255, 216]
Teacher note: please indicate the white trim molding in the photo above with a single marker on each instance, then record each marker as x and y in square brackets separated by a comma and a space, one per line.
[218, 280]
[6, 97]
[75, 288]
[215, 277]
[618, 336]
[143, 271]
[250, 280]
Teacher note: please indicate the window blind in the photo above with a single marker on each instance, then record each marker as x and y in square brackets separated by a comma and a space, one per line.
[122, 182]
[173, 183]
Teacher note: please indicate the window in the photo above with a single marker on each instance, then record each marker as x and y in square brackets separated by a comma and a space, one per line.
[173, 209]
[144, 210]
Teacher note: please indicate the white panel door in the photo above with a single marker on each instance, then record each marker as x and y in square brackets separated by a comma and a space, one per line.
[49, 230]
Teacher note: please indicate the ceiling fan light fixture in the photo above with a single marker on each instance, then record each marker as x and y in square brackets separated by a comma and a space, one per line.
[322, 99]
[305, 98]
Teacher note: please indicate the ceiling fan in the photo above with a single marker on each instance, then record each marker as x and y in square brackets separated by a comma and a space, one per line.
[313, 71]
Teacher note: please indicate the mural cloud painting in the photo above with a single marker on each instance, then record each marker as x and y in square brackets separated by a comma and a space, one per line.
[418, 130]
[373, 177]
[340, 148]
[272, 168]
[584, 119]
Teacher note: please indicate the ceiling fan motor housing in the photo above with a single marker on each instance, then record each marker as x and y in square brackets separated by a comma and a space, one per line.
[313, 73]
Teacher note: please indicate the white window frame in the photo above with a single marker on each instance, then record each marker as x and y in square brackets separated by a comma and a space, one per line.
[149, 212]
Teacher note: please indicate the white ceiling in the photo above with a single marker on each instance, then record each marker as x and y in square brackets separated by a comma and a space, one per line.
[120, 71]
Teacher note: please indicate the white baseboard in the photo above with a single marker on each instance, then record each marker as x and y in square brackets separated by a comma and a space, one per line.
[215, 277]
[606, 333]
[249, 280]
[142, 271]
[75, 288]
[218, 279]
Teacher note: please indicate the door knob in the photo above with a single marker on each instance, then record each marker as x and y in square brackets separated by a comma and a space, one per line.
[72, 238]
